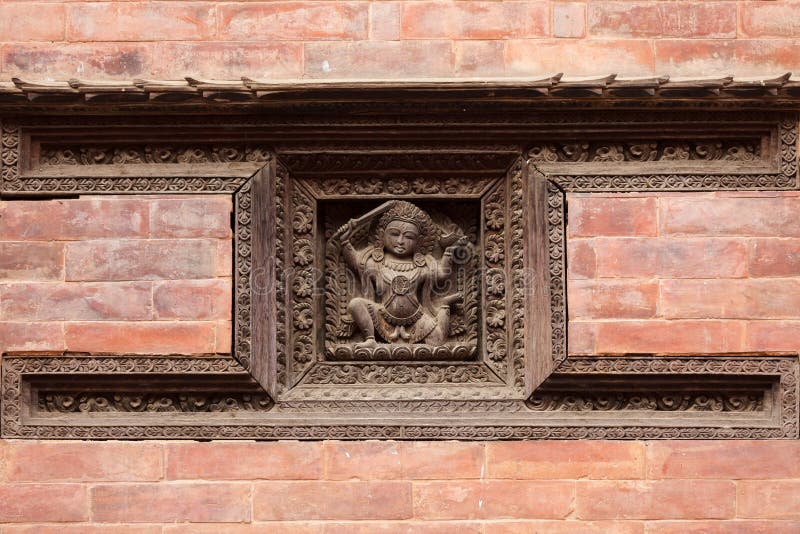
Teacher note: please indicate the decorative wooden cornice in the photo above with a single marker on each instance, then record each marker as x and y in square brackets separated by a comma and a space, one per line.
[23, 93]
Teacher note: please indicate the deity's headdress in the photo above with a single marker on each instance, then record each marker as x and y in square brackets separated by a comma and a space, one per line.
[407, 212]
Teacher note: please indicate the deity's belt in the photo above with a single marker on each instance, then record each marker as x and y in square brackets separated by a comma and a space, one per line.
[401, 321]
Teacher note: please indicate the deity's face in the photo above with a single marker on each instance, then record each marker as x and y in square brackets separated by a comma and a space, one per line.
[400, 238]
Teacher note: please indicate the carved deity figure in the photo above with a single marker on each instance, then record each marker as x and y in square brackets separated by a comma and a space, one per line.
[398, 276]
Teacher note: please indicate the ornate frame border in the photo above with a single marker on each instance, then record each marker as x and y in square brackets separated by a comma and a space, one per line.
[303, 420]
[779, 422]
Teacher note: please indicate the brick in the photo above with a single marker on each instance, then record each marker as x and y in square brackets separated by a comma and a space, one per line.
[384, 21]
[84, 60]
[140, 21]
[723, 527]
[666, 499]
[28, 503]
[702, 258]
[391, 460]
[770, 20]
[628, 257]
[379, 59]
[31, 261]
[273, 527]
[581, 259]
[141, 338]
[290, 21]
[81, 529]
[363, 460]
[565, 460]
[31, 337]
[773, 336]
[479, 58]
[474, 20]
[723, 459]
[191, 217]
[142, 260]
[75, 301]
[648, 19]
[582, 337]
[669, 337]
[698, 57]
[766, 216]
[612, 299]
[532, 57]
[171, 502]
[47, 25]
[609, 216]
[73, 219]
[192, 299]
[244, 461]
[397, 527]
[413, 460]
[260, 60]
[496, 499]
[224, 258]
[769, 499]
[223, 337]
[442, 460]
[288, 501]
[671, 257]
[31, 461]
[730, 299]
[453, 499]
[774, 257]
[569, 19]
[564, 527]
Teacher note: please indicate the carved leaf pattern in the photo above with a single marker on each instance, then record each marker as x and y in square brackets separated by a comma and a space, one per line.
[99, 155]
[15, 367]
[698, 402]
[661, 150]
[517, 269]
[88, 402]
[302, 334]
[494, 243]
[555, 231]
[359, 185]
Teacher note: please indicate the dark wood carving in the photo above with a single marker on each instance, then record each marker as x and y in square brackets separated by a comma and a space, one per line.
[746, 397]
[489, 179]
[400, 295]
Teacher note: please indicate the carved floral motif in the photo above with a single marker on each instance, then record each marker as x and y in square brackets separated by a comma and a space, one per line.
[678, 402]
[660, 150]
[88, 402]
[94, 155]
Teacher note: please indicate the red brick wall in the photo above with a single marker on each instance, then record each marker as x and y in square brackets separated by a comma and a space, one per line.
[341, 39]
[665, 273]
[672, 273]
[390, 487]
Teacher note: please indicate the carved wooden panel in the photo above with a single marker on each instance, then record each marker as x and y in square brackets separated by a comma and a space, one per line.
[468, 322]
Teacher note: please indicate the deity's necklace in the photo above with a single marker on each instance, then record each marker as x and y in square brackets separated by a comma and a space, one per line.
[401, 267]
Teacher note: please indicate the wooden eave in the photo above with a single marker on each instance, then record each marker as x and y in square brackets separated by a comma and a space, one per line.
[23, 95]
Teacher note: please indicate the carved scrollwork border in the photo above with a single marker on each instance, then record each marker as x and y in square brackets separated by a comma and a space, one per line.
[325, 377]
[642, 179]
[508, 420]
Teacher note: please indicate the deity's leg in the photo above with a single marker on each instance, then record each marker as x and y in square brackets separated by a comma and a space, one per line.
[439, 334]
[359, 310]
